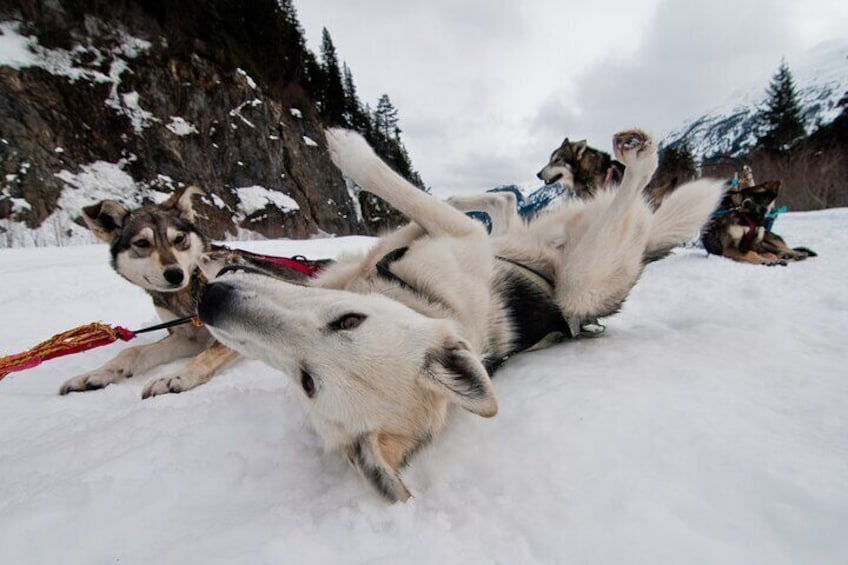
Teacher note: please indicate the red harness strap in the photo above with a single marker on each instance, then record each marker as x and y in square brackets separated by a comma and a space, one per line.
[748, 238]
[298, 262]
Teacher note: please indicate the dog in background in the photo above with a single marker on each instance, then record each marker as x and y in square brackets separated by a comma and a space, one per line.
[741, 228]
[382, 345]
[584, 168]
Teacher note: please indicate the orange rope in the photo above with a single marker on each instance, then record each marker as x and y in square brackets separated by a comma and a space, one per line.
[81, 338]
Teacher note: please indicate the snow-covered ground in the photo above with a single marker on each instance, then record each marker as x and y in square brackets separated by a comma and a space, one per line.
[709, 425]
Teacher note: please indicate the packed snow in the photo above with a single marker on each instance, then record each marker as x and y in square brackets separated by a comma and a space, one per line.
[708, 425]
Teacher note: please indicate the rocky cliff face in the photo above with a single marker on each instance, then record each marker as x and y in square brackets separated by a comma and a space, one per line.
[102, 107]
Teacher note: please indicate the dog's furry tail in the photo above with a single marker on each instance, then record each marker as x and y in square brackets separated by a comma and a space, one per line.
[682, 215]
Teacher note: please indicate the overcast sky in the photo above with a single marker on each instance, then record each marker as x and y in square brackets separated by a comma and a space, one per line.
[486, 89]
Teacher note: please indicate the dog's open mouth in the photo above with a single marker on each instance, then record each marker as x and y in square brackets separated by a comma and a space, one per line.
[554, 179]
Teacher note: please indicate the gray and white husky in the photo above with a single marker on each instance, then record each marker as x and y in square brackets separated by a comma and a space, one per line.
[382, 346]
[158, 248]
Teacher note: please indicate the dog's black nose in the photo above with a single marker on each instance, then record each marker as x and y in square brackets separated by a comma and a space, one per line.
[174, 275]
[214, 298]
[539, 176]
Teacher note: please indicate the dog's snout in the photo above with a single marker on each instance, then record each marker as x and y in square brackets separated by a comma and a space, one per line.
[214, 298]
[174, 275]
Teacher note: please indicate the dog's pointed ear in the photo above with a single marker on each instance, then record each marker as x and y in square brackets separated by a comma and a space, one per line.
[105, 219]
[181, 201]
[368, 455]
[772, 185]
[579, 148]
[455, 371]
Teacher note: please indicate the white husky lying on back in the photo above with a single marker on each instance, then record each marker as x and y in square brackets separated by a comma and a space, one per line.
[382, 345]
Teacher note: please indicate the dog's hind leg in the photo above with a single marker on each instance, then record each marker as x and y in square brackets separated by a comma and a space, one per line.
[597, 271]
[357, 161]
[501, 207]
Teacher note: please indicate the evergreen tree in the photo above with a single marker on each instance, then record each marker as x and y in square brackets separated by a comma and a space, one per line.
[781, 121]
[677, 160]
[386, 119]
[385, 138]
[333, 93]
[292, 41]
[355, 115]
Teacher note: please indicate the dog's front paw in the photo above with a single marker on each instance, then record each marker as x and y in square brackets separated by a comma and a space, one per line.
[93, 381]
[163, 385]
[182, 382]
[633, 147]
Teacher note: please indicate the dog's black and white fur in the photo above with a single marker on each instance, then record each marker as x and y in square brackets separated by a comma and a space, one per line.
[382, 345]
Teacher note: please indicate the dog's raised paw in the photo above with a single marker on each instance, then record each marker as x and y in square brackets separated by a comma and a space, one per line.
[349, 151]
[632, 145]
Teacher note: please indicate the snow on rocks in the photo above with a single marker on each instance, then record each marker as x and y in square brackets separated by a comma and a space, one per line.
[247, 78]
[179, 126]
[256, 198]
[83, 62]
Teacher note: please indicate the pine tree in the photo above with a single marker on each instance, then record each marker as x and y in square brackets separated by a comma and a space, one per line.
[355, 115]
[677, 160]
[333, 94]
[292, 40]
[781, 121]
[386, 119]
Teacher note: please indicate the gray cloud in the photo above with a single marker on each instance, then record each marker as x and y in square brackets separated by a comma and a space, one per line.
[487, 89]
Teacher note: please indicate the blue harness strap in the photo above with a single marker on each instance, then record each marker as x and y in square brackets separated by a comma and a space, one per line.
[771, 217]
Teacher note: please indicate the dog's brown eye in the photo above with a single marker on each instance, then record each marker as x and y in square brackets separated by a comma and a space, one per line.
[180, 239]
[348, 322]
[141, 243]
[307, 383]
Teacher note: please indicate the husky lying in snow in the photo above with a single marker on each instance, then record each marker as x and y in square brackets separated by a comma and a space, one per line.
[157, 248]
[383, 345]
[741, 228]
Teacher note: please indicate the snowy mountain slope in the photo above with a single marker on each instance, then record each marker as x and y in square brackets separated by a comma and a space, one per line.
[707, 426]
[821, 80]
